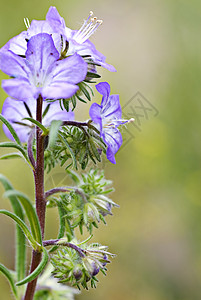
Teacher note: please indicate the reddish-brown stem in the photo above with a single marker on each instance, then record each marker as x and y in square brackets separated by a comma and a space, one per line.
[39, 195]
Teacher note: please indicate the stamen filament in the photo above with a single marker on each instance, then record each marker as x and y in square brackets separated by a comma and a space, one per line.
[87, 29]
[26, 22]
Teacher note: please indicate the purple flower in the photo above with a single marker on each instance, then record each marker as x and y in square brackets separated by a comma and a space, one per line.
[79, 39]
[15, 111]
[41, 72]
[107, 117]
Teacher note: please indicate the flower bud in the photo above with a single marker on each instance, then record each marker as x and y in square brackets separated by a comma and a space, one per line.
[90, 214]
[91, 266]
[77, 272]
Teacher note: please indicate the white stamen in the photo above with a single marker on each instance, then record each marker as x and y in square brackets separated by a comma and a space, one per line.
[87, 29]
[26, 22]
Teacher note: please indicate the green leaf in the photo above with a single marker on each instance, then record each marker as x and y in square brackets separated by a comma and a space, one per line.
[70, 150]
[11, 155]
[16, 146]
[85, 92]
[20, 238]
[37, 271]
[43, 128]
[30, 213]
[23, 226]
[93, 75]
[11, 129]
[9, 276]
[54, 129]
[94, 149]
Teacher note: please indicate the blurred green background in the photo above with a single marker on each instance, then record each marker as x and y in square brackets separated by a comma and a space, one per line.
[156, 47]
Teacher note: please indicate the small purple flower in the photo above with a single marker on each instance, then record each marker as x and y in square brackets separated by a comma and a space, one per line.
[15, 111]
[107, 117]
[41, 72]
[79, 39]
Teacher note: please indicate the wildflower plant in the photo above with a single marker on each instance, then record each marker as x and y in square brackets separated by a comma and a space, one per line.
[51, 69]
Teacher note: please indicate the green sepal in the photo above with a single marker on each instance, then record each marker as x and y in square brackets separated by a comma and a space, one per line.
[9, 276]
[38, 124]
[30, 213]
[11, 129]
[23, 226]
[37, 271]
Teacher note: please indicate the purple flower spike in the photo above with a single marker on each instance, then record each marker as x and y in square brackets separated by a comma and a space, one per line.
[41, 72]
[15, 111]
[107, 117]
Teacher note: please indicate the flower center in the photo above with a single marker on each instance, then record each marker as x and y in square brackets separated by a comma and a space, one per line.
[88, 28]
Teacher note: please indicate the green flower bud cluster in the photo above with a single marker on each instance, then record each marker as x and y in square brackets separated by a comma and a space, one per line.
[88, 203]
[76, 269]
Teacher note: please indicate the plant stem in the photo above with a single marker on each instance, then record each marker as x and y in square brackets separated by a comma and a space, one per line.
[39, 195]
[59, 242]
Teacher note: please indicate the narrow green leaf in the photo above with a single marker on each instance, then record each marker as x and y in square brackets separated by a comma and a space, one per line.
[69, 149]
[11, 155]
[16, 146]
[37, 271]
[23, 226]
[35, 122]
[93, 75]
[20, 237]
[82, 100]
[9, 276]
[30, 213]
[94, 149]
[85, 92]
[54, 129]
[11, 129]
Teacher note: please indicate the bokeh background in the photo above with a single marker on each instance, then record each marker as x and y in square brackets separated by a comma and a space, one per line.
[156, 47]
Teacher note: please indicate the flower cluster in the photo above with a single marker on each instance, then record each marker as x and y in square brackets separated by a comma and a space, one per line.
[51, 69]
[51, 61]
[87, 204]
[80, 265]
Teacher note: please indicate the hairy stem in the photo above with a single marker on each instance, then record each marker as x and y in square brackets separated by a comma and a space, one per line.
[39, 195]
[66, 244]
[81, 125]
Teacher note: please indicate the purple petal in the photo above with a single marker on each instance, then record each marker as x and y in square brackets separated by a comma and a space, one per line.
[113, 139]
[95, 114]
[104, 89]
[17, 44]
[112, 108]
[105, 65]
[55, 20]
[41, 53]
[58, 90]
[37, 27]
[13, 65]
[72, 69]
[15, 111]
[19, 89]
